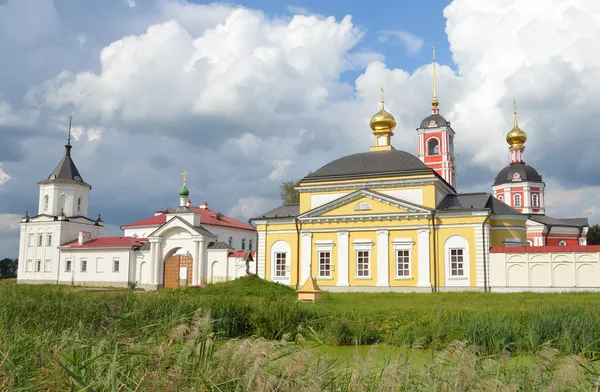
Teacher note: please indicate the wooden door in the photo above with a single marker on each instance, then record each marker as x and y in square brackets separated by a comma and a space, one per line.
[173, 267]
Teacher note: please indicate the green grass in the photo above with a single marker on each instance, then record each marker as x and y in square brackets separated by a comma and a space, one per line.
[54, 335]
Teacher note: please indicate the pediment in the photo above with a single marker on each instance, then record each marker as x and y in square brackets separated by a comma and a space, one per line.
[363, 203]
[179, 228]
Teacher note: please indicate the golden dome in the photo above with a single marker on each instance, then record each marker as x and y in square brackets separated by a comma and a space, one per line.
[516, 138]
[382, 120]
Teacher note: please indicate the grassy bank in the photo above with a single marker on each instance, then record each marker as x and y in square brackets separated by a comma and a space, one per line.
[47, 331]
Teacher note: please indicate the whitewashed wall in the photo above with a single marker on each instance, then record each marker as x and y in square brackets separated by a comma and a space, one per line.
[547, 271]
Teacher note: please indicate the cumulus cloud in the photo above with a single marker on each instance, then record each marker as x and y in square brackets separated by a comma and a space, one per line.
[3, 177]
[231, 95]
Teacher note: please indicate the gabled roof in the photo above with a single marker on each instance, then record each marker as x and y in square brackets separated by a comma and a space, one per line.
[65, 170]
[477, 201]
[569, 222]
[246, 255]
[207, 217]
[283, 211]
[107, 242]
[218, 245]
[198, 229]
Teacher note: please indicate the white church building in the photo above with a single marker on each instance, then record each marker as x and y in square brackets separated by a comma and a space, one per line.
[185, 246]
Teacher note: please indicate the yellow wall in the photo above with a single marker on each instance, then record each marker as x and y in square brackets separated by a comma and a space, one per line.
[414, 258]
[377, 207]
[334, 258]
[442, 235]
[291, 239]
[497, 237]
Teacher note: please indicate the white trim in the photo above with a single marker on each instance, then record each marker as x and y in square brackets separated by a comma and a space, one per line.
[509, 228]
[403, 243]
[331, 266]
[382, 258]
[426, 180]
[343, 264]
[403, 277]
[363, 246]
[280, 246]
[451, 243]
[306, 260]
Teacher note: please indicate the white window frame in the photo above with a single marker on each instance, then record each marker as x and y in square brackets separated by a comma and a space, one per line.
[68, 265]
[49, 239]
[403, 244]
[324, 247]
[40, 240]
[362, 206]
[116, 262]
[84, 262]
[38, 265]
[453, 243]
[281, 256]
[562, 243]
[535, 200]
[29, 266]
[462, 262]
[363, 246]
[501, 198]
[79, 202]
[243, 244]
[439, 146]
[517, 196]
[280, 246]
[47, 265]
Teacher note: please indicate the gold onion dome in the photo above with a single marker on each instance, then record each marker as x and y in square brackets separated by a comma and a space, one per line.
[382, 120]
[516, 138]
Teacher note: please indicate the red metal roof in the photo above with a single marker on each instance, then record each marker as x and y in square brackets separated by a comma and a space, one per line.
[543, 249]
[240, 253]
[207, 217]
[106, 242]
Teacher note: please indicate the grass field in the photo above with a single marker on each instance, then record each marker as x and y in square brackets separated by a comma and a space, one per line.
[253, 335]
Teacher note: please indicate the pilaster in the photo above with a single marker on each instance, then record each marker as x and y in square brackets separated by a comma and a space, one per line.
[383, 264]
[305, 264]
[424, 265]
[342, 262]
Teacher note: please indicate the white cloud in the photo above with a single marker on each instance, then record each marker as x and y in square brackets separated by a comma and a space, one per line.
[251, 207]
[279, 170]
[3, 177]
[411, 42]
[130, 3]
[9, 223]
[298, 10]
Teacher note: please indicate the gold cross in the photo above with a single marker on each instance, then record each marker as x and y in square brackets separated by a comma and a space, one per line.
[382, 95]
[184, 174]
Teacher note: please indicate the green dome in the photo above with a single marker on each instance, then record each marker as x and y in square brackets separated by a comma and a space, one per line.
[183, 192]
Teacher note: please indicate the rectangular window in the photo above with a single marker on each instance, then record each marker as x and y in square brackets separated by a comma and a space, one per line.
[402, 263]
[47, 265]
[280, 264]
[38, 266]
[49, 243]
[115, 265]
[99, 266]
[457, 266]
[325, 264]
[362, 263]
[40, 240]
[83, 265]
[29, 266]
[68, 265]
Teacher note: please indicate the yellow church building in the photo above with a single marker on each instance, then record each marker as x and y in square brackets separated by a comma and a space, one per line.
[387, 220]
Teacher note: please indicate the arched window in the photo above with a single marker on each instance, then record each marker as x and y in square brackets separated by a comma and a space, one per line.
[562, 243]
[535, 200]
[517, 198]
[231, 242]
[501, 198]
[250, 244]
[46, 201]
[79, 204]
[433, 146]
[243, 243]
[529, 243]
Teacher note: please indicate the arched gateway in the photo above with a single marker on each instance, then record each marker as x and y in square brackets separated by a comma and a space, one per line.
[177, 272]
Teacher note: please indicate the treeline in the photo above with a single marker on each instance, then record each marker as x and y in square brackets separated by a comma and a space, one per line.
[8, 268]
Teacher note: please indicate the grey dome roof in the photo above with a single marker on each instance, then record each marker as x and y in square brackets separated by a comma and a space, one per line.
[382, 163]
[440, 121]
[525, 173]
[66, 169]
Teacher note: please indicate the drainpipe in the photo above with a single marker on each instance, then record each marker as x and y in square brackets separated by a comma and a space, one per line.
[297, 254]
[485, 282]
[435, 249]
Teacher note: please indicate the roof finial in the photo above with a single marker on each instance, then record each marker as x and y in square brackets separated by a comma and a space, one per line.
[184, 174]
[382, 97]
[434, 102]
[515, 111]
[69, 137]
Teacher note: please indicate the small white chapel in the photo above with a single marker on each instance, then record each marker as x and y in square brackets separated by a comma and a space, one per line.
[185, 246]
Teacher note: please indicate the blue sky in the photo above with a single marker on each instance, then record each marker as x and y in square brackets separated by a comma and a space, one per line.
[244, 98]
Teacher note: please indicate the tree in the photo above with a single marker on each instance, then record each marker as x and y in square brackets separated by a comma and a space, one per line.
[593, 235]
[288, 194]
[8, 268]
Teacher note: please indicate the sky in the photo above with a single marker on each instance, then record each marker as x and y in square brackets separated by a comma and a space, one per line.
[244, 95]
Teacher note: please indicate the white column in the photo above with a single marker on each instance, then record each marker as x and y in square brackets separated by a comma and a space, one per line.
[158, 278]
[152, 263]
[383, 262]
[261, 251]
[22, 253]
[196, 263]
[202, 261]
[306, 257]
[423, 261]
[342, 262]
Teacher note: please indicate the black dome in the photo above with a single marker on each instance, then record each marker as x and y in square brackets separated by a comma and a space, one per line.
[517, 171]
[436, 120]
[377, 162]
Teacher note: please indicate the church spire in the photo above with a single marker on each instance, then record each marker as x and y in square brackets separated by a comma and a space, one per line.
[516, 138]
[434, 102]
[68, 145]
[382, 124]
